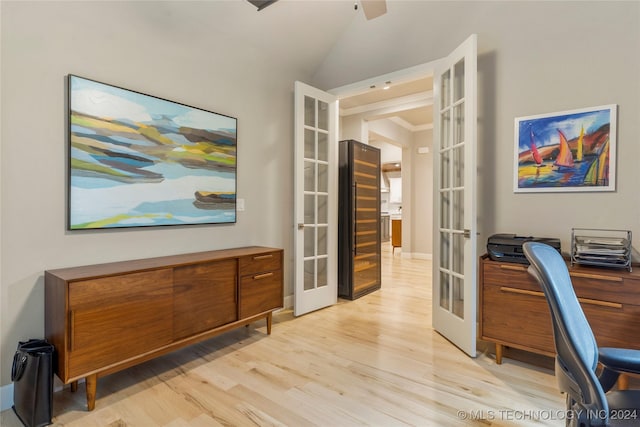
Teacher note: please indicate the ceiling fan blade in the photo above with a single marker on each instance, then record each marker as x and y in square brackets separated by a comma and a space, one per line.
[261, 4]
[373, 8]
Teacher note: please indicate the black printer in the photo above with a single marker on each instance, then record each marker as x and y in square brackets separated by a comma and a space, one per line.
[508, 247]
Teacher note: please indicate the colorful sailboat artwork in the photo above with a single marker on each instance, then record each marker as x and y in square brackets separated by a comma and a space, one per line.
[598, 172]
[565, 158]
[566, 151]
[580, 145]
[534, 151]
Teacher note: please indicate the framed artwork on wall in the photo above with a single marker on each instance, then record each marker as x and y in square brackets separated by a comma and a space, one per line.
[566, 151]
[137, 160]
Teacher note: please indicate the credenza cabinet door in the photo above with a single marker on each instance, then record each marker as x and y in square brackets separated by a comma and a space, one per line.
[260, 284]
[260, 293]
[204, 297]
[112, 320]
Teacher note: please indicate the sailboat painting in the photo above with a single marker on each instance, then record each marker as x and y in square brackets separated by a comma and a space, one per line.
[566, 151]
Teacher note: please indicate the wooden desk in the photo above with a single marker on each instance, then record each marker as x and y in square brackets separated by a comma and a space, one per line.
[514, 312]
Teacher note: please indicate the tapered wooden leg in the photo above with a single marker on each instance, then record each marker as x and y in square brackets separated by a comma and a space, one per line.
[269, 322]
[74, 386]
[92, 384]
[623, 382]
[499, 350]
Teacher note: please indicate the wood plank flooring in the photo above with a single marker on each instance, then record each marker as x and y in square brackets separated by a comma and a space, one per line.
[375, 361]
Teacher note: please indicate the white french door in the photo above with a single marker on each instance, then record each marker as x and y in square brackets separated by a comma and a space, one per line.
[315, 199]
[455, 250]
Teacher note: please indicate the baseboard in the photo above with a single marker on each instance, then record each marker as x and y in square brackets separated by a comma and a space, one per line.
[6, 397]
[416, 255]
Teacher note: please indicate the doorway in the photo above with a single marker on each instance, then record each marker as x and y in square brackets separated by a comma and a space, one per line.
[394, 112]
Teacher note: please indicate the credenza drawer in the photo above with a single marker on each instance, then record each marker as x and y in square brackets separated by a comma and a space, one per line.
[260, 262]
[260, 292]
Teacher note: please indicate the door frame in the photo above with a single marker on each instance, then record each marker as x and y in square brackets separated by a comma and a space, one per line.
[399, 76]
[416, 72]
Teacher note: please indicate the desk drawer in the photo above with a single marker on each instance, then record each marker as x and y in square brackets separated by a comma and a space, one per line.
[605, 287]
[522, 319]
[511, 275]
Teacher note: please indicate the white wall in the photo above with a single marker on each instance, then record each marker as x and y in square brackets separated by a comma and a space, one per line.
[422, 179]
[136, 46]
[534, 57]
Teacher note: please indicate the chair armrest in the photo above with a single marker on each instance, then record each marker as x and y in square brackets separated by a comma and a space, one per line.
[620, 359]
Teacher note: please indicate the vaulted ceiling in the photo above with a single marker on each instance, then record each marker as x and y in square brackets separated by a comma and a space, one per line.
[302, 34]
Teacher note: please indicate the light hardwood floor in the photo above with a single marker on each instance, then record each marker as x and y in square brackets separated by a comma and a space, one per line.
[374, 361]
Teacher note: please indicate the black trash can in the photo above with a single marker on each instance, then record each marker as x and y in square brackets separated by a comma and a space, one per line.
[32, 376]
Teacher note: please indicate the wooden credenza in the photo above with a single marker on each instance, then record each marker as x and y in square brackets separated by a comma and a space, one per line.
[514, 311]
[107, 317]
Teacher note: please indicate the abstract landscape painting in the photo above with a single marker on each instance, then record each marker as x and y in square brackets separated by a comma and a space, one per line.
[566, 151]
[137, 160]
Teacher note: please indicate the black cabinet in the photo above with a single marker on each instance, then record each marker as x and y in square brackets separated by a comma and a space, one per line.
[359, 231]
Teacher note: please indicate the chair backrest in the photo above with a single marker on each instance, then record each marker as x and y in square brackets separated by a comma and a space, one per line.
[576, 348]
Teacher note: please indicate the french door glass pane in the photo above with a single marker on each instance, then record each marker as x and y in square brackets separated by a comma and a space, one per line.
[458, 209]
[458, 253]
[309, 241]
[309, 176]
[323, 178]
[444, 250]
[458, 166]
[458, 297]
[309, 111]
[309, 144]
[444, 209]
[323, 146]
[323, 211]
[445, 126]
[445, 165]
[322, 272]
[458, 123]
[322, 241]
[309, 274]
[445, 301]
[458, 85]
[323, 115]
[445, 89]
[309, 209]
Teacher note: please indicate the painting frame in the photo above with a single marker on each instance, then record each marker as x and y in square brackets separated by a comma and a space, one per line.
[138, 160]
[544, 159]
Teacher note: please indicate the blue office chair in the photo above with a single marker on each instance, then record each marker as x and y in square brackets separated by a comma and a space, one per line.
[589, 401]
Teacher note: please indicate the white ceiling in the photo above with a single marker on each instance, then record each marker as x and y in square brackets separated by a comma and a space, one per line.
[408, 104]
[300, 34]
